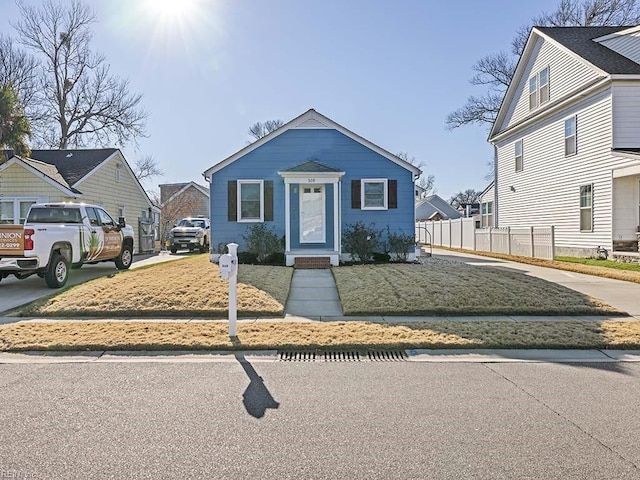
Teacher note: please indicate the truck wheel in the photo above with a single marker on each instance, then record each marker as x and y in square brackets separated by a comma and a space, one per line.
[205, 246]
[123, 261]
[174, 250]
[58, 271]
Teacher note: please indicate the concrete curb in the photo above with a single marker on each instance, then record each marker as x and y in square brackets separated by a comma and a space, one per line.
[418, 356]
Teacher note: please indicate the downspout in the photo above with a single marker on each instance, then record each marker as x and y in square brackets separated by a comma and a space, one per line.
[495, 186]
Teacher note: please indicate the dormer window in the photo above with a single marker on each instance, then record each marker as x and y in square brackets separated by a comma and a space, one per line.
[539, 88]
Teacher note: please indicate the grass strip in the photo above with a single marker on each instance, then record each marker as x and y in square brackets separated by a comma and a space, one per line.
[105, 335]
[616, 273]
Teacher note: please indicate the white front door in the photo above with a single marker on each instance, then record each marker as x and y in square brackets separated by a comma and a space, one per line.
[312, 214]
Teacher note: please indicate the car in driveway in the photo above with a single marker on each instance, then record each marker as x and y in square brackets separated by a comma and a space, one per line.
[190, 233]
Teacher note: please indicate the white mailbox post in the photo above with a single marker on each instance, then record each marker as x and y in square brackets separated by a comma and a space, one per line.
[228, 264]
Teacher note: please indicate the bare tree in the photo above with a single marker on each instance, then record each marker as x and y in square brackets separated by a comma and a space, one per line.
[82, 102]
[428, 183]
[260, 129]
[146, 168]
[496, 71]
[14, 126]
[18, 69]
[463, 198]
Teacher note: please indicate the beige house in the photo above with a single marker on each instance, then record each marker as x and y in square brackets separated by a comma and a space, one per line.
[180, 200]
[99, 176]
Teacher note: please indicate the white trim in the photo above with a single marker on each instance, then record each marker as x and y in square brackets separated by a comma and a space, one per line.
[239, 184]
[619, 33]
[310, 177]
[16, 205]
[37, 173]
[323, 192]
[519, 72]
[337, 241]
[287, 217]
[575, 135]
[385, 181]
[310, 114]
[590, 207]
[626, 171]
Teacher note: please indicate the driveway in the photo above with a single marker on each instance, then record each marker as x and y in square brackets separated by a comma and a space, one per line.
[14, 292]
[622, 295]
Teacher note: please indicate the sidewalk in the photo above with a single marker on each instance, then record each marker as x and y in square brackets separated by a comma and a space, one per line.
[313, 295]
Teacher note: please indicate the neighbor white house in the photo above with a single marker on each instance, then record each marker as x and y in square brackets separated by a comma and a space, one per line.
[567, 139]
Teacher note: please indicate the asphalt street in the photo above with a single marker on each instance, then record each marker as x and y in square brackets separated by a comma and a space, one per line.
[275, 420]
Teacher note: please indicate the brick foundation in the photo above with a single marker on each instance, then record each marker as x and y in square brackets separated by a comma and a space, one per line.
[312, 262]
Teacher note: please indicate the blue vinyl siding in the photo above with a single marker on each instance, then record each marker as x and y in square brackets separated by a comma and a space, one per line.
[294, 147]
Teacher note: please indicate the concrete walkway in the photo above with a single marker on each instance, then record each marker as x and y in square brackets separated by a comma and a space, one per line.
[313, 295]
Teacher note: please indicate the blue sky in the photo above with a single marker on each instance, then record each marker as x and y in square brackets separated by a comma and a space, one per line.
[388, 70]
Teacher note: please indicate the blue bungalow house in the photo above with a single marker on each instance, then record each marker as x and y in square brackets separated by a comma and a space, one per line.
[309, 180]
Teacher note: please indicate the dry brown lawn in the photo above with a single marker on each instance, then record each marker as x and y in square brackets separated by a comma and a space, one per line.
[190, 287]
[442, 287]
[196, 335]
[625, 275]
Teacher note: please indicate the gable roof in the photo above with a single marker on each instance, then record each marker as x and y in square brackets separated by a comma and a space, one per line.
[73, 165]
[310, 119]
[581, 41]
[312, 166]
[427, 207]
[44, 171]
[200, 188]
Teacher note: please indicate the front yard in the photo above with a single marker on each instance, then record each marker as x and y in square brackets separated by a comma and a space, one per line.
[443, 287]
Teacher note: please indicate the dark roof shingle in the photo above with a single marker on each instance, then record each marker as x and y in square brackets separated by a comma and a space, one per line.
[73, 165]
[580, 41]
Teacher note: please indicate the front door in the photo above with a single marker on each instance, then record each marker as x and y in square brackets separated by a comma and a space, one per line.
[312, 214]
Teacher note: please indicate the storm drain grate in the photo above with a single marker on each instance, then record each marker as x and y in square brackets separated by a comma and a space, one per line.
[344, 356]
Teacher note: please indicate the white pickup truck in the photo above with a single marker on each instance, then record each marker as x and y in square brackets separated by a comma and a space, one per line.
[57, 236]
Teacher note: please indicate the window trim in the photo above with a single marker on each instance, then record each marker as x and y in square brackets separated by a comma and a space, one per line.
[575, 135]
[485, 215]
[17, 201]
[239, 184]
[521, 156]
[535, 96]
[384, 181]
[590, 207]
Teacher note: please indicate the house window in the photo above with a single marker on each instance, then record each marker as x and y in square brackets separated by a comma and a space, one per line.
[374, 194]
[14, 210]
[519, 156]
[586, 208]
[250, 206]
[121, 211]
[533, 92]
[539, 88]
[117, 173]
[486, 209]
[570, 137]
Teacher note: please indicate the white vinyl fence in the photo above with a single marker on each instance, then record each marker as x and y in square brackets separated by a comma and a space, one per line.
[538, 242]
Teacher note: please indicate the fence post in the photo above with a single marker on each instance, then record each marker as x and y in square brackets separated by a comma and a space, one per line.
[533, 248]
[475, 232]
[509, 240]
[461, 234]
[490, 239]
[553, 242]
[450, 233]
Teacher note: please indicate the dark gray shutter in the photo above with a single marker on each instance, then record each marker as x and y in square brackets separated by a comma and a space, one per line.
[268, 201]
[355, 194]
[392, 201]
[232, 201]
